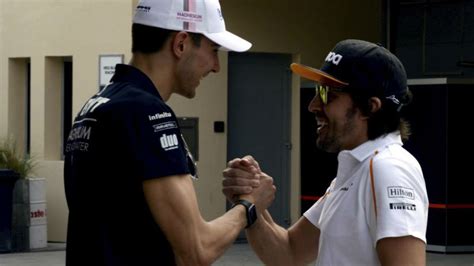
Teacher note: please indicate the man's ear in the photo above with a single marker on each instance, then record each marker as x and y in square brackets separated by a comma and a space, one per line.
[375, 104]
[178, 43]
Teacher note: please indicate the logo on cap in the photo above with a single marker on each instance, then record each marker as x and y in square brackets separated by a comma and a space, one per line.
[334, 58]
[188, 16]
[144, 8]
[393, 98]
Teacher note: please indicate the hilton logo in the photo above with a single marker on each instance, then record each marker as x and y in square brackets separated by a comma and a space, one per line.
[400, 192]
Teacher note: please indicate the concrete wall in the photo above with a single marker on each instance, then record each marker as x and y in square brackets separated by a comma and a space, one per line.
[45, 32]
[3, 73]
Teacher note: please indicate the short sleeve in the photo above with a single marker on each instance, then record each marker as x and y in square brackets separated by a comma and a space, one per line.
[401, 199]
[313, 214]
[159, 148]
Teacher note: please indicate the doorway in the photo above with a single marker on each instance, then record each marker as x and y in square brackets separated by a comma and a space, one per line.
[259, 119]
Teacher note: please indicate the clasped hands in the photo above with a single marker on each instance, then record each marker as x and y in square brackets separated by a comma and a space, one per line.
[243, 179]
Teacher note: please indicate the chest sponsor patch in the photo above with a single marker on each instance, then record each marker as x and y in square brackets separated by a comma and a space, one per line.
[169, 142]
[401, 192]
[164, 126]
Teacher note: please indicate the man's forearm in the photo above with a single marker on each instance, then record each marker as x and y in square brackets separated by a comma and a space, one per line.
[219, 234]
[212, 239]
[173, 203]
[270, 241]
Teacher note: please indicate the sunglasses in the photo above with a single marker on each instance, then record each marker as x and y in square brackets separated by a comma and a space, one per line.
[323, 90]
[192, 165]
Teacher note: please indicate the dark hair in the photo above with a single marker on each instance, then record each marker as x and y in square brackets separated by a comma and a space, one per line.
[387, 119]
[196, 38]
[148, 39]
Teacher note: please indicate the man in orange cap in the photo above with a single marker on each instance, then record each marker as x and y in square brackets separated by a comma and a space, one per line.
[375, 210]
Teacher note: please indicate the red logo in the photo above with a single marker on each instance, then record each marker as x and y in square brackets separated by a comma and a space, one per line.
[38, 214]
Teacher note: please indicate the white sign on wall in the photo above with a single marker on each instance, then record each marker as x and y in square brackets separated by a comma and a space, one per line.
[107, 67]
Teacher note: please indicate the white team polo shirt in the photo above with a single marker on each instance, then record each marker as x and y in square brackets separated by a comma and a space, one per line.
[352, 218]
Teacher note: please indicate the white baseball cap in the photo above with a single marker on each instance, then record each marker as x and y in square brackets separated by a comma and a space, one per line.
[200, 16]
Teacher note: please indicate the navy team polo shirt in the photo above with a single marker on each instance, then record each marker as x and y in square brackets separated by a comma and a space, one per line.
[123, 135]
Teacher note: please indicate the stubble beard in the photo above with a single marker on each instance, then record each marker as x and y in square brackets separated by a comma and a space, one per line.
[333, 140]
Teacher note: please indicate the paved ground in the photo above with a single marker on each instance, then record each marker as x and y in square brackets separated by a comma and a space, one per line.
[237, 255]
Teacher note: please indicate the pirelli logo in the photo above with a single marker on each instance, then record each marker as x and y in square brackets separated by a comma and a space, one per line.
[402, 206]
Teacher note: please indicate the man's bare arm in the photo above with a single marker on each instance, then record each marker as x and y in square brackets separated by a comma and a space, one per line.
[407, 250]
[275, 245]
[172, 201]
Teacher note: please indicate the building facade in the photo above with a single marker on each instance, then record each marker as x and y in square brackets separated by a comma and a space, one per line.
[51, 53]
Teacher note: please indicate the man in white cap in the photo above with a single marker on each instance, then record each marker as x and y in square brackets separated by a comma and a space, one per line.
[375, 211]
[128, 173]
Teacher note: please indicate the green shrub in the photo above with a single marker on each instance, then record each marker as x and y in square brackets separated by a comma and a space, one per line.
[11, 159]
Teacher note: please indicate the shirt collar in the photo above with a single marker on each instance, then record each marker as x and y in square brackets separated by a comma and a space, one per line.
[128, 73]
[368, 148]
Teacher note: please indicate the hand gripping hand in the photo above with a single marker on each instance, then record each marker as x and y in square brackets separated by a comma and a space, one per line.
[243, 179]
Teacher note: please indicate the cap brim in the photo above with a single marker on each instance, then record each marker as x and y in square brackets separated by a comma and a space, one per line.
[229, 41]
[317, 75]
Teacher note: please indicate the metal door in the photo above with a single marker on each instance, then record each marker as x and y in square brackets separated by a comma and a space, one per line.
[259, 119]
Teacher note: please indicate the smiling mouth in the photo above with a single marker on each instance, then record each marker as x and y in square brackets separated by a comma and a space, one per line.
[321, 125]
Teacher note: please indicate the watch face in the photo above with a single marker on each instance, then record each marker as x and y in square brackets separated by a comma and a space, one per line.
[252, 212]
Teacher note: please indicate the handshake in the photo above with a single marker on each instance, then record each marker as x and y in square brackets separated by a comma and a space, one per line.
[243, 179]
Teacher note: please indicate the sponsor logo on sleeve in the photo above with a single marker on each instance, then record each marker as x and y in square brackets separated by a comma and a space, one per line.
[165, 126]
[401, 192]
[402, 206]
[169, 142]
[159, 116]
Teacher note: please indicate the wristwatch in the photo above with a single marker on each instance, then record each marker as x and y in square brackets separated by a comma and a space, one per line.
[251, 211]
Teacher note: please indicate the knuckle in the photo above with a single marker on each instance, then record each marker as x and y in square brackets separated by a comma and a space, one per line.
[240, 182]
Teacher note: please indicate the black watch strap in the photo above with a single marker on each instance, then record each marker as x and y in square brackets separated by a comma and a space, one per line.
[251, 211]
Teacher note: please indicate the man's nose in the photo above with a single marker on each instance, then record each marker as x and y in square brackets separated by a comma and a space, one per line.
[216, 67]
[315, 105]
